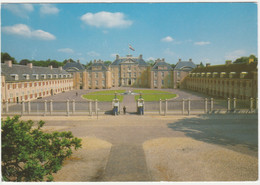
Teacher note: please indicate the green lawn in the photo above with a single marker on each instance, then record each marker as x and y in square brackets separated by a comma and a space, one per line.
[106, 96]
[154, 95]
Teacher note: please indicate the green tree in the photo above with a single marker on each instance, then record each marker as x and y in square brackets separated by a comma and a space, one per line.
[151, 62]
[201, 64]
[107, 63]
[24, 62]
[6, 56]
[29, 154]
[245, 59]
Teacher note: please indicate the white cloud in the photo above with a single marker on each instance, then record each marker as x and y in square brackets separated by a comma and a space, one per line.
[24, 31]
[20, 10]
[202, 43]
[235, 54]
[48, 9]
[93, 54]
[167, 39]
[106, 20]
[66, 50]
[150, 58]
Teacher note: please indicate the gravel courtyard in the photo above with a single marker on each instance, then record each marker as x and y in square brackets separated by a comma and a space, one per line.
[160, 148]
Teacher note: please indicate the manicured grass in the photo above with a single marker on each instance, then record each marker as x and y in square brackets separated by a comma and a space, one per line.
[106, 96]
[154, 95]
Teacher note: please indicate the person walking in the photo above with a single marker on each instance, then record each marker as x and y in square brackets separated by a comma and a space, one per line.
[124, 109]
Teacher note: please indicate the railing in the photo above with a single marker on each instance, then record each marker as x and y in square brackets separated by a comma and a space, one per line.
[162, 107]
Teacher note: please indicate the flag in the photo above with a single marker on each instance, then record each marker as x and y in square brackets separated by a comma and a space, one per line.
[130, 47]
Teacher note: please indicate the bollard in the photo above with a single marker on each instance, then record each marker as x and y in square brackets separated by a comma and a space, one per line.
[251, 104]
[96, 104]
[183, 106]
[90, 108]
[228, 104]
[51, 107]
[7, 107]
[45, 107]
[188, 106]
[160, 107]
[234, 103]
[29, 107]
[23, 107]
[73, 106]
[211, 104]
[68, 108]
[206, 105]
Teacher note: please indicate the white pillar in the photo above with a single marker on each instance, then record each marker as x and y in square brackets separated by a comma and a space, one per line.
[7, 107]
[90, 108]
[211, 104]
[188, 106]
[160, 107]
[251, 104]
[51, 107]
[23, 107]
[45, 107]
[183, 106]
[228, 104]
[96, 108]
[234, 103]
[29, 107]
[73, 106]
[206, 105]
[68, 107]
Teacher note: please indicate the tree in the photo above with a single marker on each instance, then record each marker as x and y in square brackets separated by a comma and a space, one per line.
[24, 62]
[6, 56]
[29, 154]
[151, 62]
[245, 59]
[201, 64]
[107, 63]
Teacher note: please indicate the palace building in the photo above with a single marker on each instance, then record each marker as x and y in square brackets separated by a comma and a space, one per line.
[28, 82]
[128, 71]
[227, 81]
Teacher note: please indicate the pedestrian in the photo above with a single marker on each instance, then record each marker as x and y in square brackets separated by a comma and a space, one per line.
[124, 109]
[76, 93]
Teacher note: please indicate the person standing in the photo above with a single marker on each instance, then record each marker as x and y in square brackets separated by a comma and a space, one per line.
[124, 109]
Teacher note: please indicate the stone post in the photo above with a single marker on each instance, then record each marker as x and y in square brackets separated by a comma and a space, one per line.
[7, 107]
[73, 106]
[188, 106]
[96, 106]
[166, 107]
[45, 107]
[29, 107]
[206, 105]
[251, 104]
[234, 103]
[183, 106]
[68, 107]
[51, 107]
[23, 107]
[160, 107]
[90, 108]
[211, 104]
[228, 104]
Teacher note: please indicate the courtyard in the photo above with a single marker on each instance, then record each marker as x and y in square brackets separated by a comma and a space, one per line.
[160, 148]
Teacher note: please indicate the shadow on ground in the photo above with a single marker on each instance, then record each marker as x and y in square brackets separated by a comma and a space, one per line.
[237, 132]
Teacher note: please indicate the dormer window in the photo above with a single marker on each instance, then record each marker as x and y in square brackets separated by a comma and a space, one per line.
[61, 75]
[202, 74]
[50, 76]
[43, 76]
[243, 74]
[197, 74]
[232, 74]
[222, 74]
[35, 76]
[26, 76]
[15, 76]
[208, 74]
[55, 76]
[215, 74]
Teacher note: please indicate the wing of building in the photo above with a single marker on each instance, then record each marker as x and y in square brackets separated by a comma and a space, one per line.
[28, 82]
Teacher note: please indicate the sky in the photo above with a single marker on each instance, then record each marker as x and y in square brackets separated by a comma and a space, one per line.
[204, 32]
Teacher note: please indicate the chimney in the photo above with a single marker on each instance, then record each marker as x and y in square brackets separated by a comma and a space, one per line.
[78, 61]
[95, 61]
[198, 66]
[228, 62]
[179, 60]
[50, 66]
[141, 56]
[190, 60]
[9, 63]
[60, 68]
[117, 57]
[30, 65]
[207, 64]
[163, 60]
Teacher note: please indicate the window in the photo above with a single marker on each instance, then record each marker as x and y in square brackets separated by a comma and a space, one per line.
[129, 75]
[178, 74]
[162, 74]
[103, 75]
[155, 82]
[103, 82]
[155, 74]
[43, 76]
[96, 82]
[96, 74]
[129, 67]
[162, 82]
[134, 74]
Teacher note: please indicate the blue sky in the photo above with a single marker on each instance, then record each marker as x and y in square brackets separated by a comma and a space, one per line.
[207, 32]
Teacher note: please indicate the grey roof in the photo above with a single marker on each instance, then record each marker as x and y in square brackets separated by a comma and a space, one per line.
[134, 60]
[75, 65]
[161, 63]
[184, 65]
[22, 70]
[96, 64]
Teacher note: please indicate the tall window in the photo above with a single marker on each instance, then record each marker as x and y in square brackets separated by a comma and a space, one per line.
[96, 74]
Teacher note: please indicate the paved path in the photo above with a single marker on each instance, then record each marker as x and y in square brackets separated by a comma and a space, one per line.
[129, 103]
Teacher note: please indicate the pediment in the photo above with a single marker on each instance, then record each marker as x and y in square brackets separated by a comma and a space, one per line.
[129, 61]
